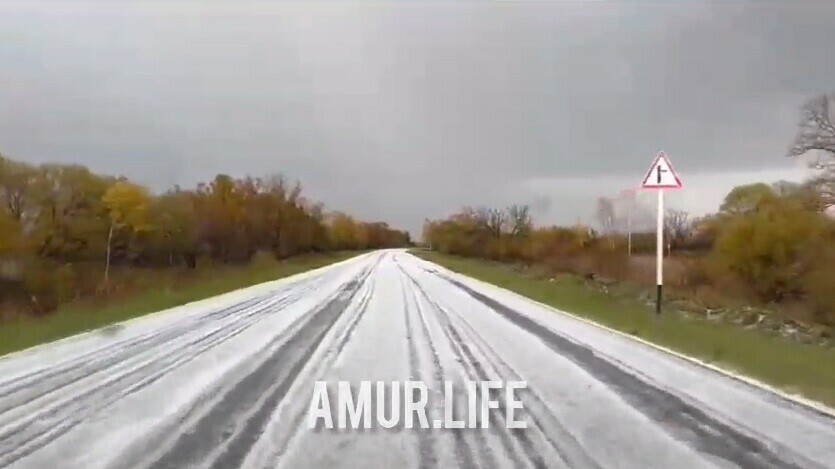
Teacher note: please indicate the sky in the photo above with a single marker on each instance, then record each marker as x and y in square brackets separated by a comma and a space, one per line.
[402, 111]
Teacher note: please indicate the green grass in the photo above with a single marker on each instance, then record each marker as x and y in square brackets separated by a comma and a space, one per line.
[808, 370]
[154, 291]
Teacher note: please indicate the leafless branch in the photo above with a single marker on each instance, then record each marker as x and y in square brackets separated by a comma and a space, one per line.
[519, 219]
[816, 132]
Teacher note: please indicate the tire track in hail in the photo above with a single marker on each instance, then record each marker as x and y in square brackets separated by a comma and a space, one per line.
[137, 455]
[237, 418]
[34, 431]
[426, 448]
[564, 444]
[341, 339]
[462, 447]
[189, 418]
[85, 358]
[95, 360]
[572, 453]
[245, 313]
[683, 421]
[478, 373]
[472, 370]
[346, 335]
[30, 432]
[236, 452]
[53, 378]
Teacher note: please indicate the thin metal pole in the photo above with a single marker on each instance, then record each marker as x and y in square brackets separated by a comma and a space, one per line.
[659, 251]
[629, 228]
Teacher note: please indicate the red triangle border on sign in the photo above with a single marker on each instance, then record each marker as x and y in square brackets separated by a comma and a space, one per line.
[659, 156]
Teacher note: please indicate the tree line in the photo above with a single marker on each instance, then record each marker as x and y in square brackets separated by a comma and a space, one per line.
[769, 243]
[64, 228]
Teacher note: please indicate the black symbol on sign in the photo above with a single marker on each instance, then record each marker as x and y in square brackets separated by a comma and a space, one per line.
[658, 171]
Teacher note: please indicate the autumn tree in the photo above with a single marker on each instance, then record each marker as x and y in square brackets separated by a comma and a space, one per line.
[127, 205]
[17, 205]
[11, 237]
[222, 219]
[60, 223]
[173, 231]
[770, 251]
[17, 182]
[342, 231]
[747, 198]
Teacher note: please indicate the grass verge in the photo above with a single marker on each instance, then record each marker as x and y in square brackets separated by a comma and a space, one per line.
[160, 290]
[796, 368]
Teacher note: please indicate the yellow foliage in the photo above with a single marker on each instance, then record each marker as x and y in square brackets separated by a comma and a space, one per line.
[127, 205]
[772, 250]
[11, 238]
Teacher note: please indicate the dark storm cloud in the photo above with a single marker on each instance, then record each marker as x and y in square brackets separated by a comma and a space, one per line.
[403, 111]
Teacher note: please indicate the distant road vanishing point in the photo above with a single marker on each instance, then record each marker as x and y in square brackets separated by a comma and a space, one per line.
[228, 382]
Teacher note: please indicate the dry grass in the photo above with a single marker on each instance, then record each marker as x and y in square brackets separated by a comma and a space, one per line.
[642, 270]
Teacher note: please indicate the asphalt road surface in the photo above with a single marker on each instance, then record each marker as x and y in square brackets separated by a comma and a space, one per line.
[228, 382]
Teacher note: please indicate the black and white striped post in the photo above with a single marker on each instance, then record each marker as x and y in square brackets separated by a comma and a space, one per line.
[660, 177]
[659, 252]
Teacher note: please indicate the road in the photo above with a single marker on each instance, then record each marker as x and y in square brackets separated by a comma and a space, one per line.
[227, 382]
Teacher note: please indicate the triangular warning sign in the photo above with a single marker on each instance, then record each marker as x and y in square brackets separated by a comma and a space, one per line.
[661, 175]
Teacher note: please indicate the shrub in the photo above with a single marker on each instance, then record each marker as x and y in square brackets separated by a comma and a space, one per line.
[41, 284]
[694, 273]
[770, 251]
[609, 261]
[820, 286]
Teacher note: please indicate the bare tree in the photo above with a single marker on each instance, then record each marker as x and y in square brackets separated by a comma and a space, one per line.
[497, 222]
[678, 227]
[816, 132]
[633, 212]
[493, 220]
[606, 216]
[519, 220]
[824, 186]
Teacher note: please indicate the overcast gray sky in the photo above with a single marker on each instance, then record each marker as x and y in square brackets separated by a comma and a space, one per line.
[406, 110]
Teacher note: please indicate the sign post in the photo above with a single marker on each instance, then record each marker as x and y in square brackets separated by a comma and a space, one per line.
[660, 177]
[659, 252]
